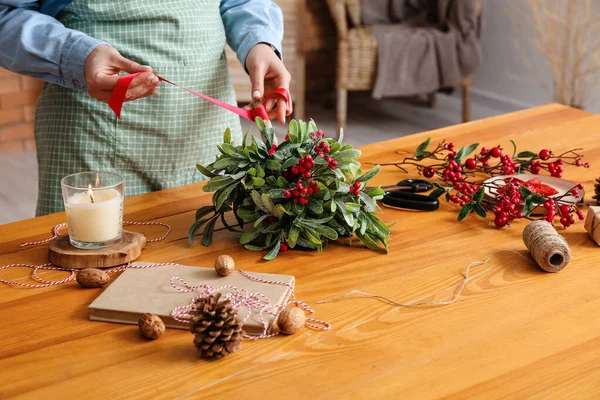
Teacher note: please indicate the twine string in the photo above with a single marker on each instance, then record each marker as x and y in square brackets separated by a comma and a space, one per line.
[73, 271]
[417, 302]
[255, 302]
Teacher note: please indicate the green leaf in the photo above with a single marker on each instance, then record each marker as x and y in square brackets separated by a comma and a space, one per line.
[273, 165]
[316, 207]
[335, 146]
[217, 183]
[480, 210]
[260, 172]
[369, 175]
[478, 196]
[293, 236]
[202, 211]
[282, 182]
[370, 204]
[525, 192]
[341, 138]
[528, 208]
[376, 193]
[368, 240]
[227, 136]
[420, 151]
[352, 207]
[514, 147]
[224, 194]
[247, 215]
[225, 163]
[207, 234]
[526, 154]
[349, 218]
[195, 227]
[347, 155]
[268, 203]
[204, 171]
[258, 182]
[258, 200]
[290, 162]
[464, 152]
[437, 192]
[249, 236]
[537, 198]
[279, 211]
[251, 172]
[274, 251]
[324, 230]
[293, 128]
[260, 123]
[276, 194]
[466, 210]
[312, 127]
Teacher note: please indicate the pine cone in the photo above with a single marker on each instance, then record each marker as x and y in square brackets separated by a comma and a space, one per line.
[596, 195]
[217, 330]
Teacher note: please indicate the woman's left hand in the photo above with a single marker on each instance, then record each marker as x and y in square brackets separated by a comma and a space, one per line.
[267, 73]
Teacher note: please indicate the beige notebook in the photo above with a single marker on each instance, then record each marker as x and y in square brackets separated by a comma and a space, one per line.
[139, 291]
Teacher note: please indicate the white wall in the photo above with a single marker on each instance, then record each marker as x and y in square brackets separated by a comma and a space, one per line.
[512, 70]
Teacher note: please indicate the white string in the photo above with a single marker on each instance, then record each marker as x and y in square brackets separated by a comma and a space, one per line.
[461, 285]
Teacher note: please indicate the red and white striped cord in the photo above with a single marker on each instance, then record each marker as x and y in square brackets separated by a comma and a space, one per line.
[57, 228]
[73, 272]
[256, 303]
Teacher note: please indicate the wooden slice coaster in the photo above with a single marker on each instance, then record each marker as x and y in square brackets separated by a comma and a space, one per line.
[63, 254]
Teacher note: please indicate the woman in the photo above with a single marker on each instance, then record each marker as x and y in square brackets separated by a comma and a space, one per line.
[79, 47]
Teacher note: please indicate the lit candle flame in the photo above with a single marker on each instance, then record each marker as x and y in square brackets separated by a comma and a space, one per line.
[90, 193]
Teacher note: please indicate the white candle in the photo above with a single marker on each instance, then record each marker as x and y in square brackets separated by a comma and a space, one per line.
[95, 216]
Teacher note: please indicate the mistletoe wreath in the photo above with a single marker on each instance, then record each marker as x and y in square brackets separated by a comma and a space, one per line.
[301, 193]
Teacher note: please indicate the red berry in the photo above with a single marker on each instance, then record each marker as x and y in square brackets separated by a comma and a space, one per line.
[586, 165]
[296, 193]
[304, 200]
[287, 193]
[545, 154]
[484, 151]
[500, 221]
[295, 170]
[308, 157]
[564, 209]
[271, 152]
[471, 163]
[310, 190]
[580, 215]
[307, 174]
[313, 183]
[299, 186]
[496, 152]
[317, 189]
[283, 247]
[301, 170]
[302, 161]
[333, 164]
[304, 191]
[575, 192]
[428, 172]
[287, 137]
[580, 186]
[356, 185]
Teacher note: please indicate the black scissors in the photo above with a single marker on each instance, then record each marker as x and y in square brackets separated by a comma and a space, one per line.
[404, 195]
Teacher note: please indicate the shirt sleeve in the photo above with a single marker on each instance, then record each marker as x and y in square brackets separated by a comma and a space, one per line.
[249, 22]
[37, 45]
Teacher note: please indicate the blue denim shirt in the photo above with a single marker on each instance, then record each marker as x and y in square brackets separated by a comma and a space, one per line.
[34, 43]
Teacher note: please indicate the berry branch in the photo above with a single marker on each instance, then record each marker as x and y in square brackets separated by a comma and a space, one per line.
[507, 198]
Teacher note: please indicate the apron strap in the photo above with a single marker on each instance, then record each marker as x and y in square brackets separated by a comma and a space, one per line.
[117, 98]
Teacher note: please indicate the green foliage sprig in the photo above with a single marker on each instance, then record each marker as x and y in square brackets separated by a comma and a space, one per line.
[261, 185]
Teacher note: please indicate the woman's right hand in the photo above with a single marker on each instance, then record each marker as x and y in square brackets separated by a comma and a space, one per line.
[102, 67]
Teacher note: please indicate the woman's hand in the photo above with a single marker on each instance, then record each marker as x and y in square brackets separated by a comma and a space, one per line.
[268, 73]
[102, 67]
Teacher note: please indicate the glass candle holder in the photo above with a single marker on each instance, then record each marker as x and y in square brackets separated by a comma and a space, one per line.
[94, 208]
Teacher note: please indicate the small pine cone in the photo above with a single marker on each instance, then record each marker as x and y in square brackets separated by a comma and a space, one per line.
[597, 191]
[217, 330]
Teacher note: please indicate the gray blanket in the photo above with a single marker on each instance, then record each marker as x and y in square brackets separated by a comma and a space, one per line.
[423, 45]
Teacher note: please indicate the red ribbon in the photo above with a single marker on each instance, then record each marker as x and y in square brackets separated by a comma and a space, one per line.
[117, 98]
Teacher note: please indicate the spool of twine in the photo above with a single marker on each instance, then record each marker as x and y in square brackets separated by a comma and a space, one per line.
[547, 247]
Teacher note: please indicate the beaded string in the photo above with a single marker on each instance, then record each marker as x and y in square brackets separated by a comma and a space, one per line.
[73, 271]
[256, 303]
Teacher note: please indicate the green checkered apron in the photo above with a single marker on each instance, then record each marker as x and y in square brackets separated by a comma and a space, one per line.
[158, 140]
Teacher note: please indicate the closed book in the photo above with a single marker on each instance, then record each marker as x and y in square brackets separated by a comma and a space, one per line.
[148, 290]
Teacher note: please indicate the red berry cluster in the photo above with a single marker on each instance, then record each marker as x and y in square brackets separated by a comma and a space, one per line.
[301, 170]
[300, 193]
[506, 203]
[273, 149]
[270, 219]
[316, 136]
[452, 172]
[355, 188]
[556, 168]
[322, 149]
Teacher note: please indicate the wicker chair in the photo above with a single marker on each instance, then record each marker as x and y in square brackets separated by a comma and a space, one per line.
[357, 58]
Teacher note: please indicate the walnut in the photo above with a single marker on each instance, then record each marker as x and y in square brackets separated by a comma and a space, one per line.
[151, 326]
[224, 265]
[92, 278]
[291, 320]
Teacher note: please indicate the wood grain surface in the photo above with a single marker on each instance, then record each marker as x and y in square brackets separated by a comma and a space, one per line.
[516, 332]
[63, 254]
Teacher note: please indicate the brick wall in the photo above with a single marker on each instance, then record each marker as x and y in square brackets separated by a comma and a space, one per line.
[18, 95]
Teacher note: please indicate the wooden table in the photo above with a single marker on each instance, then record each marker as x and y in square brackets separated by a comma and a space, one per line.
[516, 332]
